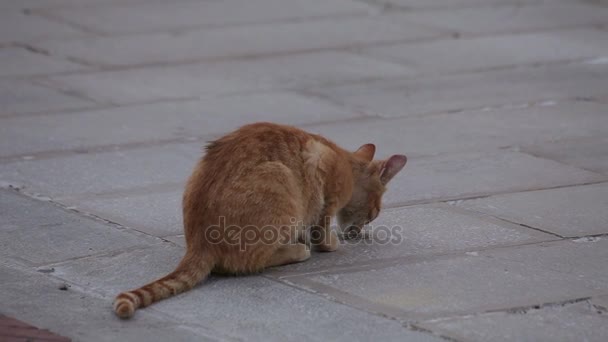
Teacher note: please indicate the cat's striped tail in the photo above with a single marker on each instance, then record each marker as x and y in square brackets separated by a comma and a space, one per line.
[191, 270]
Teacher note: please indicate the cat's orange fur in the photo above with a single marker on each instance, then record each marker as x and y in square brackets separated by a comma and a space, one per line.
[276, 177]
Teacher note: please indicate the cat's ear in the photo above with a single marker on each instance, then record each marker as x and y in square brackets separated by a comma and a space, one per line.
[391, 167]
[366, 152]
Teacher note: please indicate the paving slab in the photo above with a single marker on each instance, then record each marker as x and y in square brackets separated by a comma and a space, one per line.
[571, 322]
[450, 93]
[534, 127]
[156, 213]
[415, 233]
[601, 301]
[510, 19]
[326, 320]
[240, 41]
[604, 97]
[474, 130]
[590, 154]
[178, 239]
[35, 232]
[498, 279]
[455, 55]
[184, 81]
[56, 4]
[21, 62]
[22, 97]
[450, 4]
[213, 303]
[84, 317]
[104, 172]
[569, 212]
[124, 271]
[579, 257]
[457, 176]
[167, 167]
[146, 17]
[160, 121]
[16, 26]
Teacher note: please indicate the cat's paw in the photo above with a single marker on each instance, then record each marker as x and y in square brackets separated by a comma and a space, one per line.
[331, 244]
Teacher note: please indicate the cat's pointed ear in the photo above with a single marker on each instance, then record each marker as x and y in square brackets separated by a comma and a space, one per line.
[366, 152]
[391, 167]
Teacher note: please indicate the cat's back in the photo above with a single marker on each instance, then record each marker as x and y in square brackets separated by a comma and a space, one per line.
[256, 163]
[256, 143]
[258, 172]
[238, 156]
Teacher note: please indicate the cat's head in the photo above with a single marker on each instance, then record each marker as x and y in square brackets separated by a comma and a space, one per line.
[371, 178]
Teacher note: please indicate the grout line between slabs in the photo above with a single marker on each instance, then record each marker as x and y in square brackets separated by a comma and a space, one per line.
[353, 48]
[95, 218]
[361, 115]
[50, 154]
[401, 260]
[473, 196]
[540, 155]
[48, 14]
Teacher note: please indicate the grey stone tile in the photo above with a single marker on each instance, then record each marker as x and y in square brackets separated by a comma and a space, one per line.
[570, 212]
[179, 239]
[162, 16]
[603, 98]
[416, 232]
[437, 57]
[454, 4]
[498, 279]
[158, 84]
[590, 154]
[21, 96]
[54, 4]
[235, 41]
[601, 301]
[137, 85]
[578, 258]
[572, 322]
[104, 172]
[36, 232]
[15, 26]
[17, 61]
[326, 320]
[425, 179]
[158, 214]
[113, 273]
[84, 317]
[201, 306]
[160, 121]
[457, 176]
[474, 131]
[487, 20]
[395, 98]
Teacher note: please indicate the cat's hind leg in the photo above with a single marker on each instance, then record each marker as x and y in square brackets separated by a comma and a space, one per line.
[289, 254]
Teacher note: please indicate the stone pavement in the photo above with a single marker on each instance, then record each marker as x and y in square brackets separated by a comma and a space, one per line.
[501, 106]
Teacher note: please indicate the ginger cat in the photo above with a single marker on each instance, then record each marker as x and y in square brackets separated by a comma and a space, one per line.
[256, 195]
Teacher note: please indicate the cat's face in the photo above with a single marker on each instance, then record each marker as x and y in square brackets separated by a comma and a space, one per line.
[371, 178]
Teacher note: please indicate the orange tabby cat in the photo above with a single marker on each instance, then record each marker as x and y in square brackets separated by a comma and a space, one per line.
[250, 200]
